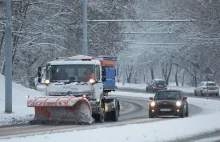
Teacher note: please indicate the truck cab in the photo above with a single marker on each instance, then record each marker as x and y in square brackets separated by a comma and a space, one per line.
[82, 76]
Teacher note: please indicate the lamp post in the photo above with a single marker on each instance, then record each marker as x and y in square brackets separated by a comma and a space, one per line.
[84, 43]
[8, 58]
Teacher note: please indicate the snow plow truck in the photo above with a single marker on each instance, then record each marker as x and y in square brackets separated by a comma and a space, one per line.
[76, 91]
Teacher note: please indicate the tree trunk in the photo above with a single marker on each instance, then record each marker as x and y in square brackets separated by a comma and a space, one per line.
[183, 78]
[166, 72]
[176, 76]
[195, 79]
[129, 78]
[152, 73]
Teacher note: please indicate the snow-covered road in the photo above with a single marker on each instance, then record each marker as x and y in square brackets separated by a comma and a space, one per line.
[171, 129]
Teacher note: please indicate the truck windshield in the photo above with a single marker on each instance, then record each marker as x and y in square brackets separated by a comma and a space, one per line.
[76, 73]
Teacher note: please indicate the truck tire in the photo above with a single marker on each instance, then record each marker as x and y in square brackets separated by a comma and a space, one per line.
[101, 116]
[115, 114]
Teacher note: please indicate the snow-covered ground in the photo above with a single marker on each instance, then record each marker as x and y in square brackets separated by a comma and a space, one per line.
[21, 113]
[143, 87]
[172, 129]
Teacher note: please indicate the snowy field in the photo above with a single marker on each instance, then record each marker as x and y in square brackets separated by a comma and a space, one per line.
[172, 129]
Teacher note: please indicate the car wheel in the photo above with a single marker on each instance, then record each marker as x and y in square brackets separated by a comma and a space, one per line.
[201, 93]
[147, 90]
[195, 93]
[187, 113]
[217, 94]
[151, 115]
[182, 115]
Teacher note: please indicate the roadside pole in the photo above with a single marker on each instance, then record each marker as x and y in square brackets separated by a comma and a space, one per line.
[84, 43]
[207, 95]
[8, 58]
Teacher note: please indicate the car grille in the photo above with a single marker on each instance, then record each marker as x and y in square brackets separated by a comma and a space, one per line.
[166, 106]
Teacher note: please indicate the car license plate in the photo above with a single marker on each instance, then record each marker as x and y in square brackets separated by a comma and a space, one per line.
[165, 109]
[160, 85]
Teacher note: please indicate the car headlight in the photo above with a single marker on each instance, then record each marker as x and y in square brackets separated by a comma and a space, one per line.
[152, 104]
[178, 103]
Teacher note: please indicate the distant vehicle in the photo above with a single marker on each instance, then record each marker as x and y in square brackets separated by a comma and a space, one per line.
[168, 102]
[205, 87]
[156, 84]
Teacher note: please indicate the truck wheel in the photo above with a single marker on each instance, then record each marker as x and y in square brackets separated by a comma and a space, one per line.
[115, 114]
[101, 116]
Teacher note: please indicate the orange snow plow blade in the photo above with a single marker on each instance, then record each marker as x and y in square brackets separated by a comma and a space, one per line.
[76, 110]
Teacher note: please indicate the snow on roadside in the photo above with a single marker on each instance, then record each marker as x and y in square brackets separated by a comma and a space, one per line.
[20, 112]
[156, 131]
[172, 129]
[143, 87]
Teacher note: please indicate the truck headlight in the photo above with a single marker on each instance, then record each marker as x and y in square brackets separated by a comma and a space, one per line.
[152, 104]
[178, 103]
[46, 82]
[92, 81]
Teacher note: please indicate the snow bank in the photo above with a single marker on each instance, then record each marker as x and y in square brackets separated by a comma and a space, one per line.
[21, 112]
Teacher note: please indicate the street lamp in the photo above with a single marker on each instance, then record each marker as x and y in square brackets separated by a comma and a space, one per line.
[8, 58]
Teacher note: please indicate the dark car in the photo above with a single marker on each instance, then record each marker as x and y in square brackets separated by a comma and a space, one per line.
[156, 84]
[168, 102]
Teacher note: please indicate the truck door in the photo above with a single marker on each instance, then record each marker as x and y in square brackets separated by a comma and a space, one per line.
[98, 86]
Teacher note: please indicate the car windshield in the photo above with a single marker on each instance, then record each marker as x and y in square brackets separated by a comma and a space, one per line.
[167, 95]
[76, 73]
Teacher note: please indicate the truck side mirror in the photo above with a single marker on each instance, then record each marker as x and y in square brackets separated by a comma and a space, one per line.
[39, 74]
